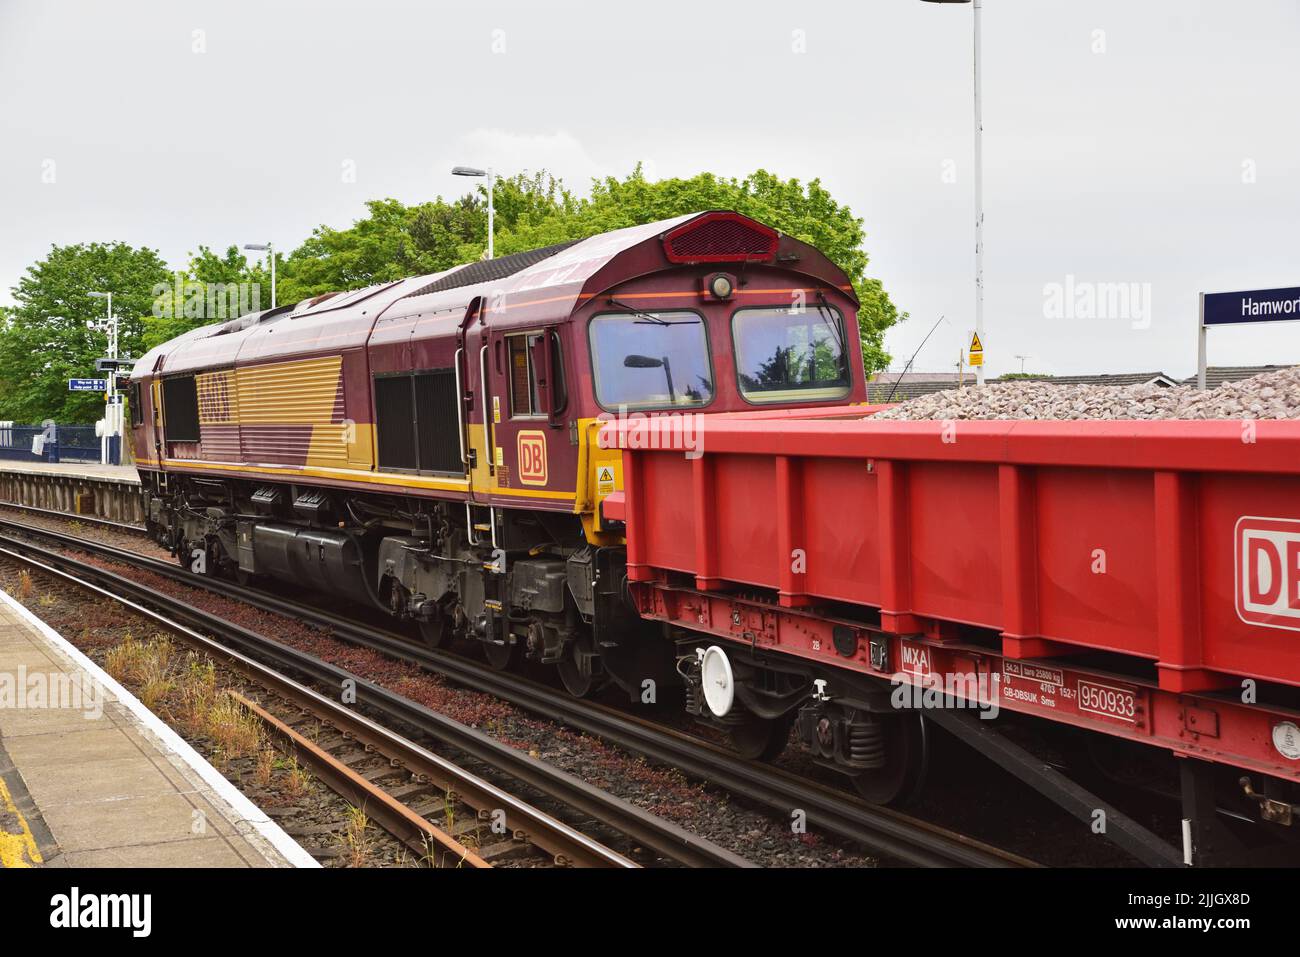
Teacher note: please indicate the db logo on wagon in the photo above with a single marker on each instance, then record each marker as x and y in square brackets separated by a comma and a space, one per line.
[531, 447]
[1267, 556]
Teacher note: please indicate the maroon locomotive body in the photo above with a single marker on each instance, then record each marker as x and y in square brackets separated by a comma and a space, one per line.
[432, 444]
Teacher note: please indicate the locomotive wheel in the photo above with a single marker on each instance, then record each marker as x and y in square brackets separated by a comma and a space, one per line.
[907, 756]
[575, 682]
[437, 631]
[502, 657]
[762, 739]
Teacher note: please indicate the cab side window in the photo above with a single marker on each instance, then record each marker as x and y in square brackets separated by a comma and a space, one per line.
[535, 368]
[525, 400]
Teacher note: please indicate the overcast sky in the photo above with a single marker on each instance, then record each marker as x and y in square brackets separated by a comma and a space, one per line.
[1153, 144]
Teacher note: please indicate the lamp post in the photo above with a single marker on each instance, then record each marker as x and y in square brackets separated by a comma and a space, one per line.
[474, 171]
[979, 184]
[270, 251]
[112, 408]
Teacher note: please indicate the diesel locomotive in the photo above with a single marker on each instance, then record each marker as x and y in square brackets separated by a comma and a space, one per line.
[432, 445]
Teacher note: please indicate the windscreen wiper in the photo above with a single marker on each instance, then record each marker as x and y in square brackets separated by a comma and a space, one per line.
[651, 317]
[836, 330]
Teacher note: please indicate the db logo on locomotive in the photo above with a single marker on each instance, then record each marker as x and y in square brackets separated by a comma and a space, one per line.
[531, 447]
[1267, 557]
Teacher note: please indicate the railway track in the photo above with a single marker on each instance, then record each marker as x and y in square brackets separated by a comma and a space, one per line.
[417, 771]
[829, 810]
[73, 517]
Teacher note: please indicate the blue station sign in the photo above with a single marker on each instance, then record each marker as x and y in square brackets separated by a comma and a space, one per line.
[87, 385]
[1254, 305]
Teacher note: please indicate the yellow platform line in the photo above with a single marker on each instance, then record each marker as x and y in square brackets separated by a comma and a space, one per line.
[17, 848]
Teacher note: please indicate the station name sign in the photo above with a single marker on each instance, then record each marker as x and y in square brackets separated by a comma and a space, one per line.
[1256, 305]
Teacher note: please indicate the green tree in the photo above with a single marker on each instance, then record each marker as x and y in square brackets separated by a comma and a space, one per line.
[44, 339]
[396, 240]
[213, 288]
[806, 212]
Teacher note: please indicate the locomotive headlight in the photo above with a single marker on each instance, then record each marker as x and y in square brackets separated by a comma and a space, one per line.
[721, 286]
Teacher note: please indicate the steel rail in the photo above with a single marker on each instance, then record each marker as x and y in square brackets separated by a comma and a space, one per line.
[899, 836]
[74, 517]
[541, 828]
[433, 843]
[665, 838]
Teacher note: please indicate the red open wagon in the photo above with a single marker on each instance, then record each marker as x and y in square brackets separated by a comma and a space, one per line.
[1139, 578]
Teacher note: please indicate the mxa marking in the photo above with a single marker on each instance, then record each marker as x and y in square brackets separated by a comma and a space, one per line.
[1267, 560]
[531, 448]
[915, 659]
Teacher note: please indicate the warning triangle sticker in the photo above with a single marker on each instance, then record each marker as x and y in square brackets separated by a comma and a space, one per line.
[975, 344]
[606, 474]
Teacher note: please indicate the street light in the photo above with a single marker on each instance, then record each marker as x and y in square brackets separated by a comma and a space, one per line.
[979, 187]
[474, 171]
[270, 251]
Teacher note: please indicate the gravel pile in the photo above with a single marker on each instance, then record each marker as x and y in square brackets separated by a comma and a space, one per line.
[1272, 395]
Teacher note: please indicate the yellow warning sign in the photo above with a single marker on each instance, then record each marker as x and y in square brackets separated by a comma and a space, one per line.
[605, 480]
[975, 354]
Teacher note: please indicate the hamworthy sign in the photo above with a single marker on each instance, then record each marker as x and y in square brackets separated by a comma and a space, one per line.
[1243, 308]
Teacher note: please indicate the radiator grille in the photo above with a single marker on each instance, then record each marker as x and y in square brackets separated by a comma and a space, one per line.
[416, 422]
[437, 425]
[394, 422]
[181, 409]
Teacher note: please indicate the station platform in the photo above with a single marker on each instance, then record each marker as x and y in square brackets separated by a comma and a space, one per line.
[89, 777]
[100, 491]
[86, 470]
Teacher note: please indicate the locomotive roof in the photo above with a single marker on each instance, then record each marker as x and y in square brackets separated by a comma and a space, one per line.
[513, 291]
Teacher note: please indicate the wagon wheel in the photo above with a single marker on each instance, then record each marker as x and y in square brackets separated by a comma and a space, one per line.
[502, 657]
[761, 739]
[576, 682]
[907, 757]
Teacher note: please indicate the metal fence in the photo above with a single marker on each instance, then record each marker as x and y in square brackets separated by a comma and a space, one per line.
[52, 443]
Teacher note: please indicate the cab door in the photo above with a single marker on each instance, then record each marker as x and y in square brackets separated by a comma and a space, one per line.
[531, 442]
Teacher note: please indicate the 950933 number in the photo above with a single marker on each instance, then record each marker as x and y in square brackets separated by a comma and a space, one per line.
[1108, 700]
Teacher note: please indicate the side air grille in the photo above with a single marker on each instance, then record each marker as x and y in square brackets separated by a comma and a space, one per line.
[180, 409]
[720, 237]
[395, 422]
[416, 423]
[436, 421]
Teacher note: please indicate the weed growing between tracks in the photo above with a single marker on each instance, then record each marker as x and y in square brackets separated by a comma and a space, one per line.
[192, 693]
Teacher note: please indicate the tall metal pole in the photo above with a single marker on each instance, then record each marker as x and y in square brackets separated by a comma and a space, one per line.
[979, 198]
[270, 251]
[1200, 344]
[112, 331]
[112, 408]
[491, 211]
